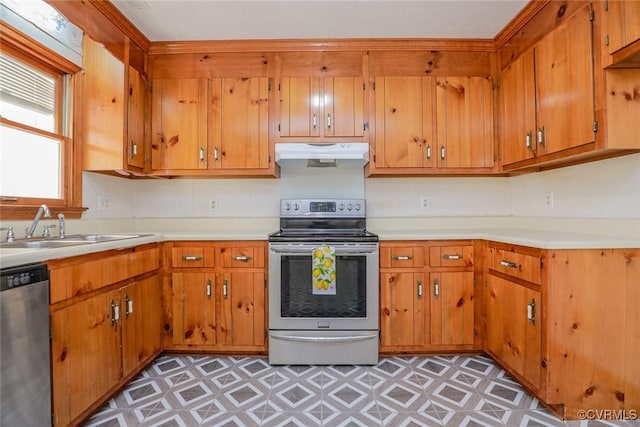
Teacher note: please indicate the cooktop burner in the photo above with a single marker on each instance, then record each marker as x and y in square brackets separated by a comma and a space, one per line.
[323, 220]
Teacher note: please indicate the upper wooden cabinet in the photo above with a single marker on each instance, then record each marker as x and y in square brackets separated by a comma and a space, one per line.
[179, 124]
[114, 112]
[464, 121]
[239, 123]
[136, 119]
[404, 123]
[547, 94]
[622, 29]
[312, 107]
[429, 125]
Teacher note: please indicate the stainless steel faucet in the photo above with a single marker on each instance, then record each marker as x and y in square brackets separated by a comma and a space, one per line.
[42, 210]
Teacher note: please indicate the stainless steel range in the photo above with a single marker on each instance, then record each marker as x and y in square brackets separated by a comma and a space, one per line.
[323, 284]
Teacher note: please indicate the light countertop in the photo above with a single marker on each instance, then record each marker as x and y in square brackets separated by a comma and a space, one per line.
[387, 230]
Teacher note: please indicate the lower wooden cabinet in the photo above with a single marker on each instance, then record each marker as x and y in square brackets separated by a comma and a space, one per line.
[217, 295]
[452, 308]
[404, 311]
[427, 301]
[106, 331]
[514, 327]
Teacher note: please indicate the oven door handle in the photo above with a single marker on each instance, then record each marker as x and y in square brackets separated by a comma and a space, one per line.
[349, 338]
[306, 250]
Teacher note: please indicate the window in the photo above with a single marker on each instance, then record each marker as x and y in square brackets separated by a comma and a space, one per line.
[36, 148]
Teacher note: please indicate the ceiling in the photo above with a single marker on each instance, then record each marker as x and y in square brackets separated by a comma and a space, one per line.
[173, 20]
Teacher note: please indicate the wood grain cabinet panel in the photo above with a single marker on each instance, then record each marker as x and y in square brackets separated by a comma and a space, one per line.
[452, 308]
[623, 24]
[547, 95]
[523, 266]
[404, 125]
[404, 311]
[464, 120]
[239, 123]
[194, 308]
[313, 107]
[217, 296]
[179, 124]
[242, 316]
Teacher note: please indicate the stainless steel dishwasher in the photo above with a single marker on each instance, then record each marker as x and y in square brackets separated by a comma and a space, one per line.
[25, 381]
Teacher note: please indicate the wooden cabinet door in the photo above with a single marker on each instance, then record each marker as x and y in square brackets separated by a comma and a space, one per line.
[623, 23]
[464, 115]
[141, 311]
[104, 108]
[343, 103]
[514, 332]
[132, 326]
[452, 308]
[239, 123]
[404, 132]
[194, 316]
[300, 106]
[179, 124]
[565, 85]
[518, 113]
[404, 311]
[93, 350]
[136, 119]
[242, 309]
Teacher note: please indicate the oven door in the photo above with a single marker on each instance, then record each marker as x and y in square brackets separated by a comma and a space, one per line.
[293, 304]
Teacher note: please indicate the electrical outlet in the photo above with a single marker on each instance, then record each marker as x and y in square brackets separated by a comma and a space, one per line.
[425, 203]
[548, 199]
[213, 205]
[104, 203]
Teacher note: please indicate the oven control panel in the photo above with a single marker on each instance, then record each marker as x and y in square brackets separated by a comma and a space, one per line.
[325, 208]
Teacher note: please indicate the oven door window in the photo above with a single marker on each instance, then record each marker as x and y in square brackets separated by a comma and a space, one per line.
[297, 299]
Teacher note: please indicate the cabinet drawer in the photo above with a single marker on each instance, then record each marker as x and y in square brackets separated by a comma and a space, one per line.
[242, 257]
[522, 266]
[451, 256]
[402, 256]
[192, 256]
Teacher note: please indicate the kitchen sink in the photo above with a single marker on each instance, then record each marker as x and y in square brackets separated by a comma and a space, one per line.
[71, 240]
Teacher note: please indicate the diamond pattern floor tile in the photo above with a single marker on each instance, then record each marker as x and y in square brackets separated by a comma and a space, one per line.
[194, 391]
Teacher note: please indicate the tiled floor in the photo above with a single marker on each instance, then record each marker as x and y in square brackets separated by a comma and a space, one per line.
[416, 391]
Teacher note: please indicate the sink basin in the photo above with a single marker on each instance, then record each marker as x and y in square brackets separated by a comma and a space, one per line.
[41, 244]
[90, 238]
[72, 240]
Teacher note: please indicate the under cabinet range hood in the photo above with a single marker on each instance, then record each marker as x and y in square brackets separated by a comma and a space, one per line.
[323, 155]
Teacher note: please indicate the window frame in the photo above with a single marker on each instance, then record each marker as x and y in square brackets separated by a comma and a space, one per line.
[20, 46]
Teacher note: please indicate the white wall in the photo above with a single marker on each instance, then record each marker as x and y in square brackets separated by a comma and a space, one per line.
[603, 189]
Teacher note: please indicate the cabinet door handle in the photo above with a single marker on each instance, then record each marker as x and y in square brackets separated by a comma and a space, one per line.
[241, 258]
[419, 289]
[401, 257]
[436, 288]
[225, 289]
[509, 264]
[128, 306]
[329, 120]
[542, 138]
[134, 148]
[115, 312]
[442, 152]
[428, 151]
[314, 120]
[202, 154]
[192, 258]
[215, 154]
[528, 140]
[209, 288]
[454, 256]
[531, 312]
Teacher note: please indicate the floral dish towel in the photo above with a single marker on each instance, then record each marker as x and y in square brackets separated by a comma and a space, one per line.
[323, 270]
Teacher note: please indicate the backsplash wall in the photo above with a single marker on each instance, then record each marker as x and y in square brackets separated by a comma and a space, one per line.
[604, 189]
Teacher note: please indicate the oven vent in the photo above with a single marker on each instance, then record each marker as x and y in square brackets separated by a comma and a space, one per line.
[323, 155]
